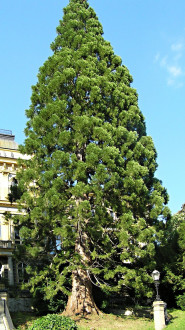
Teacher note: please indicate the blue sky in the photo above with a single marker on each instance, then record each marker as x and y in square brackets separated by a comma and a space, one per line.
[149, 35]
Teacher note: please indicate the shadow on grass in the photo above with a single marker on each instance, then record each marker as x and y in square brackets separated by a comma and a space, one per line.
[140, 312]
[171, 318]
[134, 313]
[23, 320]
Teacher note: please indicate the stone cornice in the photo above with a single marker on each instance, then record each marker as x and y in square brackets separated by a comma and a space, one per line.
[4, 203]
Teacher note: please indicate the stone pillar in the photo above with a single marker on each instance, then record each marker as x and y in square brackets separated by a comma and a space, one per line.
[159, 319]
[4, 295]
[10, 271]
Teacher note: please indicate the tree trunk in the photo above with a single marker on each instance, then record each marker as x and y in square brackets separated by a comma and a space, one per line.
[81, 301]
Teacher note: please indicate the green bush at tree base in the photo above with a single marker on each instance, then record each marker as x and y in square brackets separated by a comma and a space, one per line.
[54, 322]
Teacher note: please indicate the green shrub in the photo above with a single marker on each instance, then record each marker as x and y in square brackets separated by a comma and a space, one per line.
[54, 322]
[181, 301]
[43, 306]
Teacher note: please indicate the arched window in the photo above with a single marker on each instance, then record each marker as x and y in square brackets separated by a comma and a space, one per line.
[12, 181]
[21, 270]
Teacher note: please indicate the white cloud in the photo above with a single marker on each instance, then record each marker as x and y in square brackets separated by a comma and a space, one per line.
[177, 47]
[175, 71]
[172, 64]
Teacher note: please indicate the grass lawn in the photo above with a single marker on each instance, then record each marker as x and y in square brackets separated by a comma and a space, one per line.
[177, 320]
[103, 322]
[109, 321]
[112, 322]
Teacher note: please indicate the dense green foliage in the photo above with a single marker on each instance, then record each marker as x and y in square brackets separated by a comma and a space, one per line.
[171, 260]
[43, 305]
[55, 322]
[91, 174]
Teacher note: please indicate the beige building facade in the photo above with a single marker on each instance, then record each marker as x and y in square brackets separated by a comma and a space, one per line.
[10, 271]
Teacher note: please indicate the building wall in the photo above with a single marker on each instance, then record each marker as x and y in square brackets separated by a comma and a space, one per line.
[20, 304]
[9, 154]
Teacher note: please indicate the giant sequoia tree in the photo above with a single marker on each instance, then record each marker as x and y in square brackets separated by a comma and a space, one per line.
[171, 259]
[91, 199]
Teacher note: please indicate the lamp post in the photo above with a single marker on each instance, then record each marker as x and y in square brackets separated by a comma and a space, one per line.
[158, 304]
[156, 277]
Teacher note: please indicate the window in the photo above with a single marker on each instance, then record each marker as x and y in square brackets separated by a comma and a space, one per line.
[10, 178]
[17, 237]
[12, 181]
[22, 275]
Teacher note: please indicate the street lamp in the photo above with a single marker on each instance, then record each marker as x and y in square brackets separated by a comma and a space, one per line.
[156, 277]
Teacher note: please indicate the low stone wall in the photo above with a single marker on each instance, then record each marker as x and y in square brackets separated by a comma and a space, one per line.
[20, 304]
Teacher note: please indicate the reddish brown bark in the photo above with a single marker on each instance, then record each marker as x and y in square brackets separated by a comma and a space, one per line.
[81, 301]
